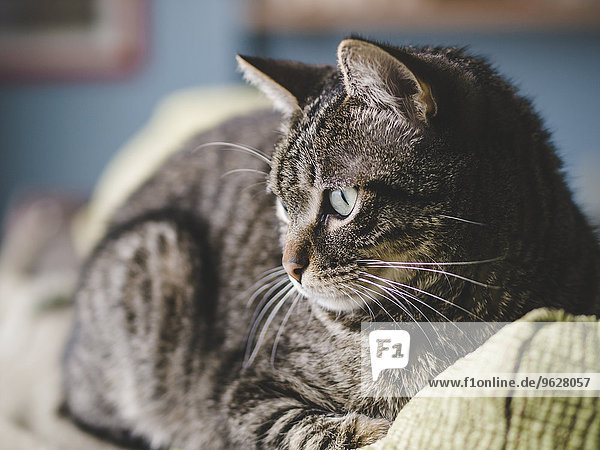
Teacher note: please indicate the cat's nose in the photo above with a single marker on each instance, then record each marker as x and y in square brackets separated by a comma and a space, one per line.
[294, 260]
[294, 269]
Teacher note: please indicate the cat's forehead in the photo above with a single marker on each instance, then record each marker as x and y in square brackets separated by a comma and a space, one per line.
[344, 143]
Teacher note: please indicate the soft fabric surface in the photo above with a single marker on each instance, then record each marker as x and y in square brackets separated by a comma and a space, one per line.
[35, 317]
[517, 422]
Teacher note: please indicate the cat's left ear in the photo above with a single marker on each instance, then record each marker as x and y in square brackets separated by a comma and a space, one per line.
[373, 74]
[288, 84]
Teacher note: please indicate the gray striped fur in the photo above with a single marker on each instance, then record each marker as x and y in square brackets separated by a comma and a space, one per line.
[460, 169]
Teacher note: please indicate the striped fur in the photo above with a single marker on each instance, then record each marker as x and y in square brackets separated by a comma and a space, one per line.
[166, 350]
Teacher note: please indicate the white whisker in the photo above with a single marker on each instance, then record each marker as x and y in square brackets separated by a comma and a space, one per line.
[238, 147]
[408, 294]
[437, 297]
[424, 269]
[229, 172]
[253, 185]
[413, 263]
[279, 279]
[362, 299]
[398, 303]
[463, 220]
[260, 313]
[405, 295]
[282, 326]
[289, 290]
[347, 294]
[376, 302]
[394, 291]
[265, 303]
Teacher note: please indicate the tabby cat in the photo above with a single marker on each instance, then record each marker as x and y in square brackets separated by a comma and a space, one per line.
[405, 184]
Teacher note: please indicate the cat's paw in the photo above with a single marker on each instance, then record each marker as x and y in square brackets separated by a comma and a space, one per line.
[350, 431]
[368, 430]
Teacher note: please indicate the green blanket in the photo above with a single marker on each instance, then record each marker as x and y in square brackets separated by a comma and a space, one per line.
[510, 422]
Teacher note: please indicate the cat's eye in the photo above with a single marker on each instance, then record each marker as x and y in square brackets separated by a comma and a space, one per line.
[282, 211]
[343, 200]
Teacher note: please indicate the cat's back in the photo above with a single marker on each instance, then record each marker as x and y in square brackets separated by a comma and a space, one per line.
[216, 183]
[212, 172]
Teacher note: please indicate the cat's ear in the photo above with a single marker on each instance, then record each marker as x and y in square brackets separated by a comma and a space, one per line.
[287, 83]
[373, 74]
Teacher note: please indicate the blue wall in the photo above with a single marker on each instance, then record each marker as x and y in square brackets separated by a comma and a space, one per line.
[62, 134]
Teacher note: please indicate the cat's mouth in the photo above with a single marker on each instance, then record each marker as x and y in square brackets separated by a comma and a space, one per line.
[328, 298]
[351, 294]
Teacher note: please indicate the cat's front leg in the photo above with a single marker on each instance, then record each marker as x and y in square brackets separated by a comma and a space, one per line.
[349, 431]
[292, 423]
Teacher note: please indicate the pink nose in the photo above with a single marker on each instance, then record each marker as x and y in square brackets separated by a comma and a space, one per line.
[294, 269]
[295, 260]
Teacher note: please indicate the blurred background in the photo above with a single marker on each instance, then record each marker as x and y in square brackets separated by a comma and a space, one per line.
[78, 78]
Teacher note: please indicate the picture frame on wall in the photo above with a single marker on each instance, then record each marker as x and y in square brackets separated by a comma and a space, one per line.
[316, 16]
[69, 39]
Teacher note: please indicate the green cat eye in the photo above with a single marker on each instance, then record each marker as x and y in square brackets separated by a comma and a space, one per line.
[343, 200]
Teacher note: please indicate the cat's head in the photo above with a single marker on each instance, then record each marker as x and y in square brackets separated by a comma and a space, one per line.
[383, 160]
